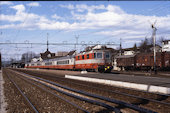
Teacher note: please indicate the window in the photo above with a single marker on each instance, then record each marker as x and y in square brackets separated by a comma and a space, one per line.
[87, 56]
[48, 63]
[49, 55]
[78, 57]
[166, 42]
[94, 55]
[151, 57]
[63, 62]
[38, 64]
[143, 57]
[99, 55]
[107, 55]
[83, 57]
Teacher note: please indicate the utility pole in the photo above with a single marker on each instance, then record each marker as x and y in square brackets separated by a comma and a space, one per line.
[76, 41]
[47, 41]
[120, 46]
[154, 44]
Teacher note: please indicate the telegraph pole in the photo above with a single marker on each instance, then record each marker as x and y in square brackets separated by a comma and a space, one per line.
[76, 41]
[47, 41]
[120, 46]
[154, 44]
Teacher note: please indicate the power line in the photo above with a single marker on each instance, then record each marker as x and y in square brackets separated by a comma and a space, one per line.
[109, 27]
[23, 22]
[1, 43]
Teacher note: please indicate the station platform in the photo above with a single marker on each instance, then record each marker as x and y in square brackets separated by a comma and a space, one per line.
[149, 84]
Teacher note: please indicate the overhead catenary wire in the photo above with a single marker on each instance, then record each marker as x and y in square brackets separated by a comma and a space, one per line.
[26, 17]
[109, 27]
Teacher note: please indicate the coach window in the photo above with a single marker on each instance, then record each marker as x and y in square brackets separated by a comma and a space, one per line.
[82, 56]
[99, 55]
[87, 56]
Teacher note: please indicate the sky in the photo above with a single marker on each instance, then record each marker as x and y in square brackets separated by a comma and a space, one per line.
[90, 21]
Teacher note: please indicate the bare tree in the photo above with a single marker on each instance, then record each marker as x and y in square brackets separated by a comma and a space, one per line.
[161, 39]
[26, 57]
[145, 46]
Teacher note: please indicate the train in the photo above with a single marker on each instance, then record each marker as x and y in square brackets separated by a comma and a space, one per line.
[144, 61]
[99, 60]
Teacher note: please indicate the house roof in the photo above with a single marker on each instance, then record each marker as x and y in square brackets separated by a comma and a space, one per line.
[165, 40]
[45, 55]
[125, 56]
[71, 52]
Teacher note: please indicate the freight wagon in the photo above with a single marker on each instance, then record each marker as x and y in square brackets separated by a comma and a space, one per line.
[144, 61]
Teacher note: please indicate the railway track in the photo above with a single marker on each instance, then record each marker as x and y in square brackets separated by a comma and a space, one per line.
[106, 99]
[159, 101]
[32, 106]
[23, 95]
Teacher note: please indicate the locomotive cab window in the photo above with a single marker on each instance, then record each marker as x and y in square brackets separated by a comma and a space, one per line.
[78, 57]
[82, 56]
[99, 55]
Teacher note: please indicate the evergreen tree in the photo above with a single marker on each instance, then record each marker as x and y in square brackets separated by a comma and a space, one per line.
[135, 48]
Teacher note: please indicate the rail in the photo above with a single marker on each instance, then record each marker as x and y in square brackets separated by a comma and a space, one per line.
[29, 102]
[125, 94]
[116, 110]
[131, 106]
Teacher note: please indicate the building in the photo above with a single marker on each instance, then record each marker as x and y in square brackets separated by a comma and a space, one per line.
[47, 55]
[157, 48]
[61, 53]
[129, 51]
[166, 45]
[36, 59]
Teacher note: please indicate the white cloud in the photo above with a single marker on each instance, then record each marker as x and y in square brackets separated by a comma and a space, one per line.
[5, 3]
[53, 25]
[113, 8]
[56, 17]
[20, 8]
[84, 7]
[20, 15]
[70, 6]
[112, 21]
[35, 4]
